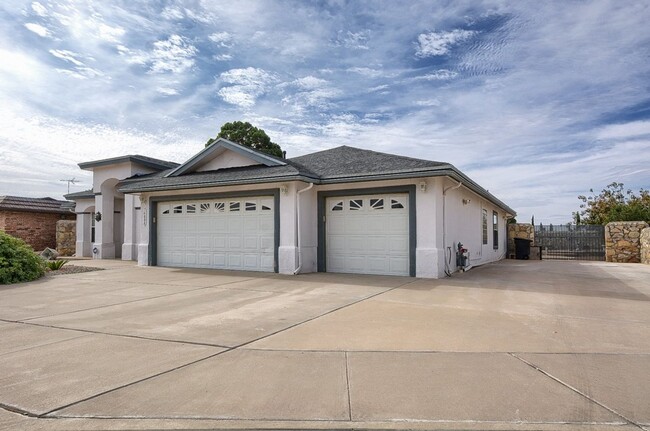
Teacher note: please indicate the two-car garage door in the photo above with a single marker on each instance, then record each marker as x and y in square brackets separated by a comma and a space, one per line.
[234, 233]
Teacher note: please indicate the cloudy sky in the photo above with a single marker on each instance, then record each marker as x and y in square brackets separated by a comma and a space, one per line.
[536, 101]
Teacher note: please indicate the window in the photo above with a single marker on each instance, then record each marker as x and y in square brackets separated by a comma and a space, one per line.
[234, 207]
[205, 207]
[92, 227]
[485, 235]
[165, 209]
[377, 204]
[356, 204]
[495, 230]
[178, 209]
[338, 206]
[190, 209]
[395, 204]
[219, 207]
[266, 208]
[250, 206]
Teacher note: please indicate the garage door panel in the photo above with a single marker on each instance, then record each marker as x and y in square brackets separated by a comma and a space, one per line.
[220, 233]
[368, 234]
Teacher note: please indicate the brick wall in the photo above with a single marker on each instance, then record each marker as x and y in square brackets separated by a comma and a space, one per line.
[36, 229]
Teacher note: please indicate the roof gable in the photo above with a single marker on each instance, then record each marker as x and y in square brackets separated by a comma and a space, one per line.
[223, 153]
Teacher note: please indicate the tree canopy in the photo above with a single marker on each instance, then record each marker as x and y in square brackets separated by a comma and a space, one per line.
[245, 133]
[613, 204]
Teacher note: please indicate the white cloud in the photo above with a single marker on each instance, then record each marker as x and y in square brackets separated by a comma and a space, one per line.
[69, 56]
[438, 75]
[366, 71]
[223, 57]
[175, 54]
[432, 44]
[167, 91]
[39, 9]
[172, 13]
[309, 83]
[38, 29]
[110, 34]
[628, 130]
[222, 39]
[249, 84]
[353, 40]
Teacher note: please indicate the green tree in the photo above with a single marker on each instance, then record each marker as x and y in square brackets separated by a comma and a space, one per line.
[245, 133]
[614, 203]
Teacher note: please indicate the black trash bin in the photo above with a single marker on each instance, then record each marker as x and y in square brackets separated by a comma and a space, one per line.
[522, 248]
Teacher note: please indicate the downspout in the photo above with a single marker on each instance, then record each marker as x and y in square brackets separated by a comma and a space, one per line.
[444, 227]
[297, 271]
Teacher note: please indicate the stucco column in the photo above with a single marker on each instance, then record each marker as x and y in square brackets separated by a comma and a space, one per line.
[143, 230]
[130, 241]
[83, 246]
[104, 245]
[288, 252]
[429, 253]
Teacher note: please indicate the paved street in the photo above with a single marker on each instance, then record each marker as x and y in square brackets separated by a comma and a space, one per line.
[511, 345]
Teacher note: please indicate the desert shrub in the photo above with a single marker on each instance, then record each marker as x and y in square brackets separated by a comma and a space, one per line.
[18, 262]
[55, 264]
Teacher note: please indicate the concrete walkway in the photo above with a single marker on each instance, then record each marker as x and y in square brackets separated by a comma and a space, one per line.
[512, 345]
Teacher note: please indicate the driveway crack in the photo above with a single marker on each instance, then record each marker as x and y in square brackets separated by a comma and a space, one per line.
[577, 391]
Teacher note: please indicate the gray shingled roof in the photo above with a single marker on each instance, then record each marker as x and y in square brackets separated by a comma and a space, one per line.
[134, 158]
[85, 194]
[42, 205]
[337, 165]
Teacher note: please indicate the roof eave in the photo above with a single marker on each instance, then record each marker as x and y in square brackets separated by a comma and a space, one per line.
[122, 159]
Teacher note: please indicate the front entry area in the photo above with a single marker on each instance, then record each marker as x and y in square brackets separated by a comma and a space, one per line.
[368, 234]
[231, 233]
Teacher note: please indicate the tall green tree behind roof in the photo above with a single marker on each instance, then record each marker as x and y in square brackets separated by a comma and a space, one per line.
[245, 133]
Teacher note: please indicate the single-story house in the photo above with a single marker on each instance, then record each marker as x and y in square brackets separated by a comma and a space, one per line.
[345, 210]
[33, 219]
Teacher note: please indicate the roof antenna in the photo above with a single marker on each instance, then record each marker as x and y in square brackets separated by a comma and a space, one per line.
[72, 180]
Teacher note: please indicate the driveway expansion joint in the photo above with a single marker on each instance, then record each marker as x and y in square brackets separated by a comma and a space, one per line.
[577, 391]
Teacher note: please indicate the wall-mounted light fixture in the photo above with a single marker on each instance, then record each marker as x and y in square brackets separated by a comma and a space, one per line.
[98, 216]
[284, 189]
[466, 201]
[423, 186]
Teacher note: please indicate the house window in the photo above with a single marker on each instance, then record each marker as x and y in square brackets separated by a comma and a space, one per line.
[178, 209]
[219, 207]
[250, 206]
[485, 235]
[205, 207]
[395, 204]
[266, 208]
[92, 227]
[377, 204]
[190, 209]
[338, 206]
[356, 204]
[165, 209]
[495, 230]
[234, 207]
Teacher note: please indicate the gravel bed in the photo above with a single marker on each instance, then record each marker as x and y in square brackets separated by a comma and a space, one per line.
[73, 269]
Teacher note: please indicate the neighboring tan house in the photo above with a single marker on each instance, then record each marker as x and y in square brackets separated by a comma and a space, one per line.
[33, 219]
[344, 210]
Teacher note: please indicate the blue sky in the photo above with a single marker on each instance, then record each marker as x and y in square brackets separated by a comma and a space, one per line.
[536, 101]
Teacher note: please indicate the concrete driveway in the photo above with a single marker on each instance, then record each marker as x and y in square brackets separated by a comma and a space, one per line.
[512, 345]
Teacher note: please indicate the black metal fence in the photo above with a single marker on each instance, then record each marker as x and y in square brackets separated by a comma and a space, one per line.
[571, 242]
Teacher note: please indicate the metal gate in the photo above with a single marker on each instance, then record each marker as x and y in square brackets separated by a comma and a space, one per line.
[571, 242]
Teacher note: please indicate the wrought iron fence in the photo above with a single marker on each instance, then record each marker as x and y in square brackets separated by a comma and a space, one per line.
[571, 242]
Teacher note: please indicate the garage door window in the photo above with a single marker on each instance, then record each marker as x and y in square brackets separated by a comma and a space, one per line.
[376, 204]
[234, 207]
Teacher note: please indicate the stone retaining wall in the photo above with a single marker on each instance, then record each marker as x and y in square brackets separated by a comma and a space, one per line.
[644, 239]
[622, 241]
[66, 237]
[519, 230]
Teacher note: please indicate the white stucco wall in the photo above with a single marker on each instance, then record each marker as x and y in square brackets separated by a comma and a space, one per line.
[462, 222]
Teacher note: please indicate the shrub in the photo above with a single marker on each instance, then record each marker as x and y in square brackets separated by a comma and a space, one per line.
[18, 262]
[55, 265]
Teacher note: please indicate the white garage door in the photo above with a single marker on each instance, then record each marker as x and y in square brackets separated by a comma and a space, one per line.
[234, 233]
[368, 234]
